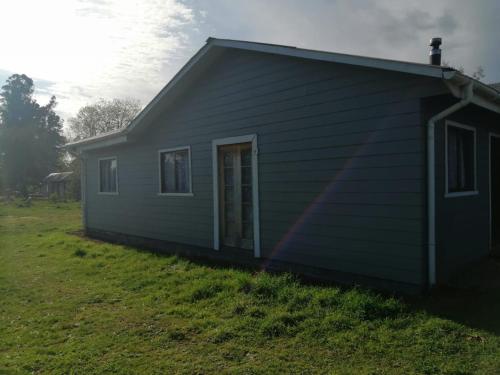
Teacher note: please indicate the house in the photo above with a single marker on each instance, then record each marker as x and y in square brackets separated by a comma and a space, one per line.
[57, 184]
[362, 169]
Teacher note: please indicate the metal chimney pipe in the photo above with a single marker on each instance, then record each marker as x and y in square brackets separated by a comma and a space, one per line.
[435, 53]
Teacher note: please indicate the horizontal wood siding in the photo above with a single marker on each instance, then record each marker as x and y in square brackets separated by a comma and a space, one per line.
[462, 223]
[340, 164]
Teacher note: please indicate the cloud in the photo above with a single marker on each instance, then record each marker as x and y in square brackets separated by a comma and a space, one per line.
[384, 28]
[92, 49]
[87, 49]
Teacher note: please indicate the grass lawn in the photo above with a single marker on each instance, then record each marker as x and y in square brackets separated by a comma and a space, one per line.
[72, 305]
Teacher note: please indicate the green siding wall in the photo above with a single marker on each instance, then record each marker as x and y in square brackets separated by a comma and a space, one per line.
[463, 223]
[341, 164]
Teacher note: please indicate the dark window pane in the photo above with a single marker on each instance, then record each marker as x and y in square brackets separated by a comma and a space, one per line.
[247, 212]
[460, 159]
[246, 157]
[246, 194]
[467, 181]
[228, 194]
[452, 159]
[181, 170]
[228, 176]
[230, 228]
[229, 213]
[228, 158]
[112, 175]
[108, 176]
[175, 173]
[247, 230]
[169, 172]
[246, 175]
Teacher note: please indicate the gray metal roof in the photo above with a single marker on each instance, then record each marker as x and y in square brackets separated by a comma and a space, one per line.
[58, 177]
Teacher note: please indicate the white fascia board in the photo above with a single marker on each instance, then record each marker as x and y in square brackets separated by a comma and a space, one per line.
[481, 102]
[116, 140]
[484, 96]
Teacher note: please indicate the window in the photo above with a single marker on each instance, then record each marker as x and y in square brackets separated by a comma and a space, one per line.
[175, 171]
[108, 176]
[461, 159]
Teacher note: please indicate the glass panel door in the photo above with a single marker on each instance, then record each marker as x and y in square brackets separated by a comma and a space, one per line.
[235, 195]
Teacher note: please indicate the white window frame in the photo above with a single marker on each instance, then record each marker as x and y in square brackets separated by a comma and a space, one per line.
[474, 191]
[99, 176]
[251, 138]
[190, 192]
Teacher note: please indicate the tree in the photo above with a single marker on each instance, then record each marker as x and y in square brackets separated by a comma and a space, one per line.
[479, 73]
[102, 117]
[73, 188]
[476, 74]
[30, 135]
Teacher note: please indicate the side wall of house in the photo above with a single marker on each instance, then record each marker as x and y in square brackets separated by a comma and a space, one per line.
[463, 222]
[341, 155]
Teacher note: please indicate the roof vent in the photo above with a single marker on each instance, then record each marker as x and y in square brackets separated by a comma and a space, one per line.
[435, 53]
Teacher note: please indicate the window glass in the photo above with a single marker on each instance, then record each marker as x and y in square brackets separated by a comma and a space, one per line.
[175, 173]
[108, 176]
[461, 166]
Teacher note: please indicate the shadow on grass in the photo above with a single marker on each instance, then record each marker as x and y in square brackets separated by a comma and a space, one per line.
[471, 299]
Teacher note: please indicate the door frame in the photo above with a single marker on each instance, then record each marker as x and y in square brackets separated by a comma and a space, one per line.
[491, 135]
[250, 138]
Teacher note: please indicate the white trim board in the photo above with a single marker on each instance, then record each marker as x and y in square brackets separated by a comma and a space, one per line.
[474, 191]
[251, 138]
[190, 192]
[99, 176]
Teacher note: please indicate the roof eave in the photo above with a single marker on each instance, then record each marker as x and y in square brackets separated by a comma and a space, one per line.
[484, 96]
[369, 62]
[113, 140]
[488, 98]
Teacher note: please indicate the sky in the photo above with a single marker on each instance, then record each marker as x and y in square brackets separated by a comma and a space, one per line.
[83, 50]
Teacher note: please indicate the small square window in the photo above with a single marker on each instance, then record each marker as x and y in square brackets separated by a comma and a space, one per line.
[175, 171]
[461, 159]
[108, 175]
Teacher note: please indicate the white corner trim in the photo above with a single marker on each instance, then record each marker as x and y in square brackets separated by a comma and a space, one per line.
[99, 176]
[474, 191]
[190, 192]
[251, 138]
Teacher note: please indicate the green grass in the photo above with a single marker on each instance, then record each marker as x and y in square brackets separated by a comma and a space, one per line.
[73, 305]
